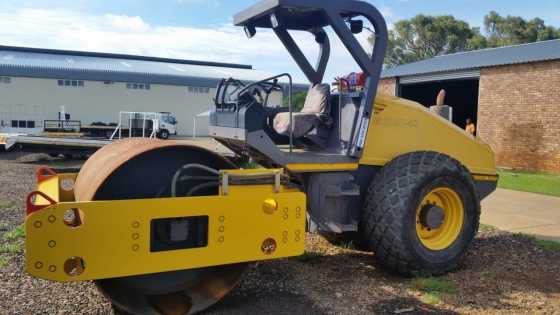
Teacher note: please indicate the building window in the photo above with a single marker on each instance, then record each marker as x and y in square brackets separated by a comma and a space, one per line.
[198, 90]
[138, 86]
[70, 83]
[23, 124]
[5, 80]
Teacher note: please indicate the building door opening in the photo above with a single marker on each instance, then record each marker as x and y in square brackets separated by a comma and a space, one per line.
[462, 95]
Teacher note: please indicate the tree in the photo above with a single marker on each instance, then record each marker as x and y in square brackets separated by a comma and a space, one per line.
[477, 41]
[426, 36]
[514, 30]
[298, 99]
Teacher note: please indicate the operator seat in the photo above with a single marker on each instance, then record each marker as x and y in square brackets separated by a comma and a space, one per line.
[312, 115]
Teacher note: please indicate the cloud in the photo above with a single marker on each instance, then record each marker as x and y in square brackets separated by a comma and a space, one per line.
[67, 29]
[127, 23]
[387, 12]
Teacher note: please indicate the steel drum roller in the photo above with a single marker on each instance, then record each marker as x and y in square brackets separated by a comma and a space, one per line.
[144, 168]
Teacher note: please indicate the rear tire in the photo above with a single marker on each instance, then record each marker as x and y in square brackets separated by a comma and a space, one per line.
[395, 200]
[163, 134]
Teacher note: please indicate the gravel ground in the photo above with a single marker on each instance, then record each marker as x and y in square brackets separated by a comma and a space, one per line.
[503, 273]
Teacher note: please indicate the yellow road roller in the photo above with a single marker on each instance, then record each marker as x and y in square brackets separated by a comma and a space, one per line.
[168, 227]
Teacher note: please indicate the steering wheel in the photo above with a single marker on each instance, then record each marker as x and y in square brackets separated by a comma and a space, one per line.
[268, 87]
[256, 93]
[257, 89]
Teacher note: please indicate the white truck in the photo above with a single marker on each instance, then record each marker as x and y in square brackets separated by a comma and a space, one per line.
[145, 124]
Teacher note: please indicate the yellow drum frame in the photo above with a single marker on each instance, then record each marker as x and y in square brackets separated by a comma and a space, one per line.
[71, 241]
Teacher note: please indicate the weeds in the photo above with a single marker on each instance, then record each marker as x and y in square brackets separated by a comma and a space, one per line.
[5, 204]
[524, 236]
[4, 261]
[432, 288]
[487, 274]
[11, 238]
[10, 248]
[347, 245]
[432, 284]
[15, 234]
[431, 298]
[486, 227]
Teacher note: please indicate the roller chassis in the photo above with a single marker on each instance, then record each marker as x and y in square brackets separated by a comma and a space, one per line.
[395, 178]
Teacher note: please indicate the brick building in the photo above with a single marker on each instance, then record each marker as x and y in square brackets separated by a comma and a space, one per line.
[512, 93]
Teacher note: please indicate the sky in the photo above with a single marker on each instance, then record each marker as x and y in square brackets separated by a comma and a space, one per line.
[203, 30]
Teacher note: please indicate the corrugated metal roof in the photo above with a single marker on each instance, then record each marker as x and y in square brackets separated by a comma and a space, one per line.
[533, 52]
[77, 65]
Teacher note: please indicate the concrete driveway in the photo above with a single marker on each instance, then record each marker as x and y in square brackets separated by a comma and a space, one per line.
[524, 212]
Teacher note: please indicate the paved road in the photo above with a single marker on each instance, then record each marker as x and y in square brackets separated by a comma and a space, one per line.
[518, 211]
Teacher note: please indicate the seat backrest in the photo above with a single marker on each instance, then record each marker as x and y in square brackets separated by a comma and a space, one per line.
[316, 101]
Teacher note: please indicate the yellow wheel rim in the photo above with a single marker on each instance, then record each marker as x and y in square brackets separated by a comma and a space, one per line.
[448, 231]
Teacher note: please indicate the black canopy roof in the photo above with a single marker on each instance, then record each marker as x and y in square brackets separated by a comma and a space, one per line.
[295, 14]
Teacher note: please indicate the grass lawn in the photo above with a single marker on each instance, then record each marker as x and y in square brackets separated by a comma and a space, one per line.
[537, 183]
[548, 245]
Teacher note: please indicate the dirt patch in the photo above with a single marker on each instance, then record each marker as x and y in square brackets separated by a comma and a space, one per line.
[503, 273]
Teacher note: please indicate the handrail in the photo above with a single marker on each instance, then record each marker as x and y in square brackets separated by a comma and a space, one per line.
[219, 99]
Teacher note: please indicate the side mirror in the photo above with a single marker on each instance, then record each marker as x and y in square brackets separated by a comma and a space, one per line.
[250, 31]
[356, 26]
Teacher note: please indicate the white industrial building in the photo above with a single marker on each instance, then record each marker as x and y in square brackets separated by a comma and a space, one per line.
[94, 87]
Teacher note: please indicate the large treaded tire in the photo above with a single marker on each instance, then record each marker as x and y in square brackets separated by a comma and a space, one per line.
[389, 216]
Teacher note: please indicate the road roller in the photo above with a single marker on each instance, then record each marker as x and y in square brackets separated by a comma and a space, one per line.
[169, 227]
